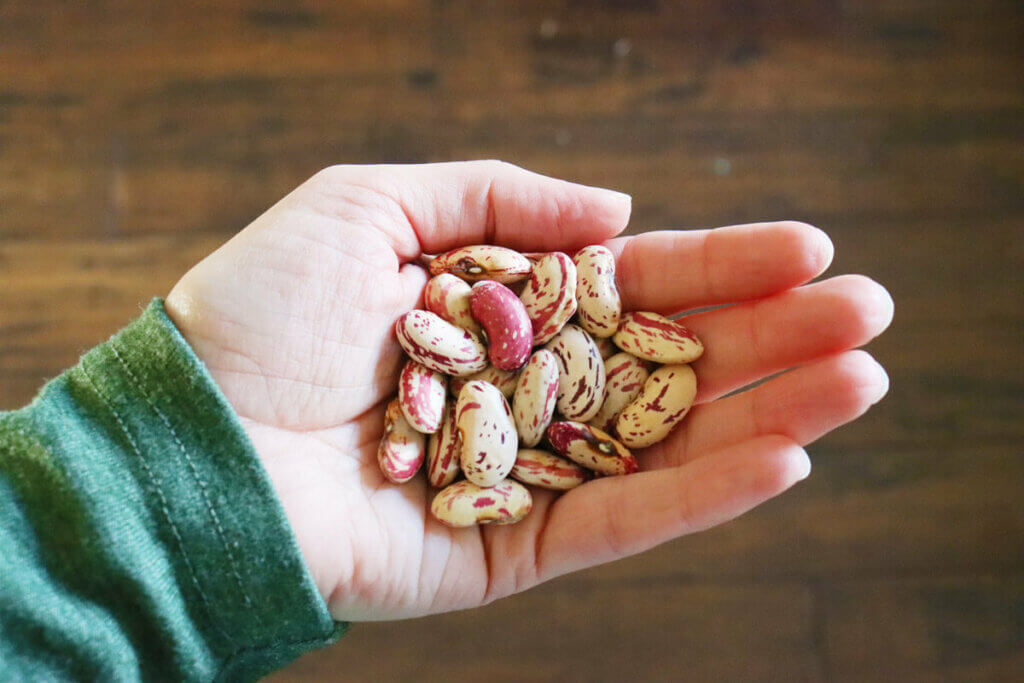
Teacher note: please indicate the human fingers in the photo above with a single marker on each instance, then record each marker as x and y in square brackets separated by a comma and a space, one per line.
[615, 517]
[669, 271]
[750, 341]
[803, 405]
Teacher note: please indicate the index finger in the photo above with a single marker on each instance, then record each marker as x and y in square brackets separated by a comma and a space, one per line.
[674, 270]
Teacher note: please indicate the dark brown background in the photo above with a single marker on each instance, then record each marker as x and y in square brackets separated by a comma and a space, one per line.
[135, 137]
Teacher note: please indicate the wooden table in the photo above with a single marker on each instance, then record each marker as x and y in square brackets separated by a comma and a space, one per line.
[135, 137]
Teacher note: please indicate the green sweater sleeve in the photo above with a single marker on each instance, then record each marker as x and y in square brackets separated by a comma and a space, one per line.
[140, 537]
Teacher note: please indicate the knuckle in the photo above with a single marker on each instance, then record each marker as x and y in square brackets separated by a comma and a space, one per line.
[330, 175]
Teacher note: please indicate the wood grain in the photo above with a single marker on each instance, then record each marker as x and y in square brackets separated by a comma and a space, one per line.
[581, 631]
[136, 137]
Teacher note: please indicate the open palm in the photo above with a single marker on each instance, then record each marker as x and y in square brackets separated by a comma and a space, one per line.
[294, 318]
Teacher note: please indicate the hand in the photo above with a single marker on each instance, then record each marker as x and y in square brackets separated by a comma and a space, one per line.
[294, 318]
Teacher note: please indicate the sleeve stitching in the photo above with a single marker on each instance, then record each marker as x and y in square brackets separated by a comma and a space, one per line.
[195, 475]
[163, 501]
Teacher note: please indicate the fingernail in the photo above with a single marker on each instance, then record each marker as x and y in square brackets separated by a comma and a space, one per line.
[882, 387]
[882, 307]
[826, 249]
[807, 469]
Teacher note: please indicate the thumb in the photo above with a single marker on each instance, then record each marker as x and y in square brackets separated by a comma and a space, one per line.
[442, 206]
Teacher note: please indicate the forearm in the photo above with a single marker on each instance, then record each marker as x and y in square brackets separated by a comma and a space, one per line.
[139, 536]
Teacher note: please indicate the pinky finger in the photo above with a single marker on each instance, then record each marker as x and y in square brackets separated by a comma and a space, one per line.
[616, 517]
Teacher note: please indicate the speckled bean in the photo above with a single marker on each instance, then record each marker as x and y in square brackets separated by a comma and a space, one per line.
[581, 373]
[536, 393]
[547, 471]
[439, 345]
[483, 262]
[444, 450]
[550, 295]
[591, 447]
[656, 338]
[465, 504]
[421, 393]
[599, 302]
[505, 380]
[665, 400]
[625, 376]
[401, 449]
[489, 440]
[448, 296]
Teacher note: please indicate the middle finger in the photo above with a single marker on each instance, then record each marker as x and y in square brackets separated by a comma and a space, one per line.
[750, 341]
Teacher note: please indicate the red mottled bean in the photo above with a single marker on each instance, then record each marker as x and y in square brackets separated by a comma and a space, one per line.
[599, 303]
[483, 262]
[502, 314]
[550, 295]
[444, 450]
[547, 471]
[401, 449]
[465, 504]
[489, 439]
[421, 393]
[656, 338]
[625, 376]
[535, 397]
[665, 400]
[448, 296]
[439, 345]
[580, 371]
[591, 447]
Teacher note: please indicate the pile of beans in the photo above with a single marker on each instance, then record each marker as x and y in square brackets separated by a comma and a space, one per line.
[587, 382]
